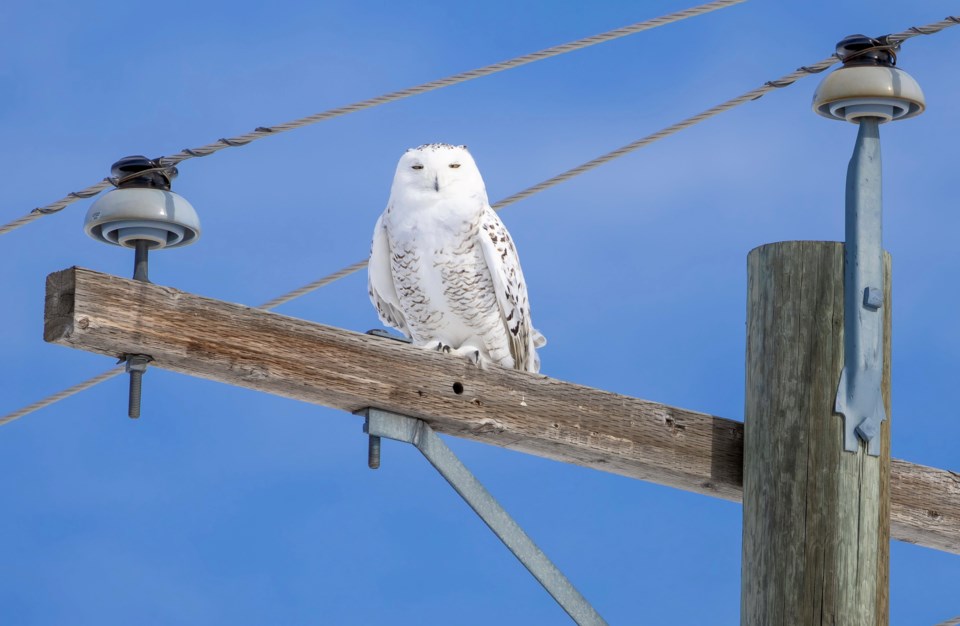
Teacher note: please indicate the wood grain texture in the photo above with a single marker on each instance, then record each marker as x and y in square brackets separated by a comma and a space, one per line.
[531, 413]
[816, 532]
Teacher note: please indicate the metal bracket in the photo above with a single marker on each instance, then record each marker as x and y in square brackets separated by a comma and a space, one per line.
[417, 432]
[859, 396]
[379, 332]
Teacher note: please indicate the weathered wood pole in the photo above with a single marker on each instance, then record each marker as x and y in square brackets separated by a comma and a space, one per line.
[816, 519]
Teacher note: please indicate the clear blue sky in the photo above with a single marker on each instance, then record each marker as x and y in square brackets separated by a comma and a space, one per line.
[225, 506]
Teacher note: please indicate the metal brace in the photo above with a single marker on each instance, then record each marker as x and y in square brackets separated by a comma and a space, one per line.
[859, 396]
[417, 432]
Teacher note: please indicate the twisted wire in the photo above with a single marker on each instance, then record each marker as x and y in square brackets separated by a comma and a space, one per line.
[753, 94]
[317, 284]
[20, 221]
[59, 205]
[929, 29]
[66, 393]
[262, 132]
[267, 131]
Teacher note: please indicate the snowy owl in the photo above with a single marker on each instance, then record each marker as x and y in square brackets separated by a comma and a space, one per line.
[443, 269]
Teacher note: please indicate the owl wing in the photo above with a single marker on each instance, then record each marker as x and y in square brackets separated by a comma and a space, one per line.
[380, 286]
[504, 265]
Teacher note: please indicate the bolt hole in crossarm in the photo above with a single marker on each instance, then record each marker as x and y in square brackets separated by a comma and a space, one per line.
[458, 388]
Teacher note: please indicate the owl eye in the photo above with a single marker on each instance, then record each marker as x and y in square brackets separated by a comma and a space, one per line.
[454, 165]
[417, 167]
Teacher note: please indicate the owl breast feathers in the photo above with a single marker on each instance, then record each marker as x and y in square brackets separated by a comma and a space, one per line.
[443, 268]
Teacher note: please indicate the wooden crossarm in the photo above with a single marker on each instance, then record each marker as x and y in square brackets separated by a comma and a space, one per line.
[298, 359]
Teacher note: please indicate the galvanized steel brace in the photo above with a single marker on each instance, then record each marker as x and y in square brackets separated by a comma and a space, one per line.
[411, 430]
[859, 397]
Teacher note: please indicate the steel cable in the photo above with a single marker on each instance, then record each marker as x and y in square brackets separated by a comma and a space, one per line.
[267, 131]
[929, 29]
[753, 94]
[66, 393]
[317, 284]
[57, 206]
[784, 81]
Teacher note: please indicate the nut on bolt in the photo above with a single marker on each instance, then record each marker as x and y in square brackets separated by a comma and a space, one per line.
[136, 367]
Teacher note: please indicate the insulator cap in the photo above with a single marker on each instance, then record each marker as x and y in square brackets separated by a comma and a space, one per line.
[862, 50]
[127, 214]
[126, 169]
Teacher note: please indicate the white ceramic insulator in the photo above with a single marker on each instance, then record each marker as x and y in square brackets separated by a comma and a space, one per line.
[858, 91]
[123, 216]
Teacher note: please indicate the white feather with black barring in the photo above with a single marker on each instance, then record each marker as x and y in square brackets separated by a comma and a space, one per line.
[443, 268]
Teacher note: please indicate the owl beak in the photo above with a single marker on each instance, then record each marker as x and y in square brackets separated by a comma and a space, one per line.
[436, 183]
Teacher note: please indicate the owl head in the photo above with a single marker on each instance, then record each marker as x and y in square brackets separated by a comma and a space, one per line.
[438, 170]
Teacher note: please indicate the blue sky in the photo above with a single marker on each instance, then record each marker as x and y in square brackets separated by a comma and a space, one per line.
[225, 506]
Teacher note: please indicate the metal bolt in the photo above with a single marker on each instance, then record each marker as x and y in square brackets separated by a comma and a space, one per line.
[141, 260]
[872, 298]
[136, 366]
[373, 452]
[137, 363]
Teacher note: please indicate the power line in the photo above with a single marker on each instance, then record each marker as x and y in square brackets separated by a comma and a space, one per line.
[268, 131]
[749, 96]
[66, 393]
[59, 205]
[317, 284]
[929, 29]
[753, 94]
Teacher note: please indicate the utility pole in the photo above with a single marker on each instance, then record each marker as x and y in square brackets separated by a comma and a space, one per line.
[815, 517]
[812, 462]
[816, 483]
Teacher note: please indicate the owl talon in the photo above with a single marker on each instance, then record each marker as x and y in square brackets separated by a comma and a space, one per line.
[473, 355]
